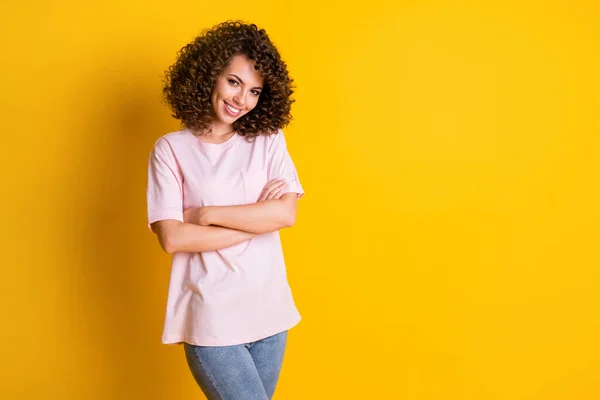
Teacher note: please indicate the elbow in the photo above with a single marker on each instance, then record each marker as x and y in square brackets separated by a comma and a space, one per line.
[167, 232]
[168, 245]
[168, 248]
[288, 213]
[290, 220]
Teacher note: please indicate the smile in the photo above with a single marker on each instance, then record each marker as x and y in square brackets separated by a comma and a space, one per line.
[232, 110]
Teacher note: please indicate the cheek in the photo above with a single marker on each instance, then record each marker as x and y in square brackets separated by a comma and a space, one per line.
[221, 90]
[215, 95]
[252, 103]
[214, 101]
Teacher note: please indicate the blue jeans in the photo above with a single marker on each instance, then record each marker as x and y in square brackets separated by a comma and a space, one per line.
[246, 371]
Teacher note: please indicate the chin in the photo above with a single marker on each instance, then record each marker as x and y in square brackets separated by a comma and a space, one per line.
[231, 118]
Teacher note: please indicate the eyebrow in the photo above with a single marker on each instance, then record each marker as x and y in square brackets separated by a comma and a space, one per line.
[240, 79]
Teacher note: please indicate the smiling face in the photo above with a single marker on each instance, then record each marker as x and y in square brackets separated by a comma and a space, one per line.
[236, 91]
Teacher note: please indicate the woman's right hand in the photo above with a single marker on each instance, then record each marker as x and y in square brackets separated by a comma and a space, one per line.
[273, 189]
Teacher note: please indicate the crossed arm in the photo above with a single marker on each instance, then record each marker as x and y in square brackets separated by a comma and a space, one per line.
[217, 227]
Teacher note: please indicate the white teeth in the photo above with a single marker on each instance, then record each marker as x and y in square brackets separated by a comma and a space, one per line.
[233, 110]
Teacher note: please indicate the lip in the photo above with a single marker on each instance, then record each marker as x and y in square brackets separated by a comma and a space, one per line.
[229, 111]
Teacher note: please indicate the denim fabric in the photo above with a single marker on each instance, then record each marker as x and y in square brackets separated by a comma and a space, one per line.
[246, 371]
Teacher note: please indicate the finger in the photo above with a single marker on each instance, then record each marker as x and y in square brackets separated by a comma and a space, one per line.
[274, 183]
[273, 188]
[270, 187]
[267, 190]
[275, 194]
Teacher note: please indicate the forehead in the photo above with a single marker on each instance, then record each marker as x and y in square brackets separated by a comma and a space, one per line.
[243, 67]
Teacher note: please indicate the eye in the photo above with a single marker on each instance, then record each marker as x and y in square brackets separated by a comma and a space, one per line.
[233, 82]
[256, 93]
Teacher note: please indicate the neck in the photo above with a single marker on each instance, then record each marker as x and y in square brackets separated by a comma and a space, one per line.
[220, 130]
[215, 133]
[218, 134]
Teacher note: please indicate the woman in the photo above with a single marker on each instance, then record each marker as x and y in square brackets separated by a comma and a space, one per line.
[218, 192]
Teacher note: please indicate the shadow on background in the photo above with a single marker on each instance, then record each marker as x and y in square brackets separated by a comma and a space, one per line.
[124, 273]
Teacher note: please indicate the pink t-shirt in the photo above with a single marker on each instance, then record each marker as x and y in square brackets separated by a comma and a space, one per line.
[238, 294]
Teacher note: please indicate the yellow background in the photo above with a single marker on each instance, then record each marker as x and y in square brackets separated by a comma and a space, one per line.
[447, 245]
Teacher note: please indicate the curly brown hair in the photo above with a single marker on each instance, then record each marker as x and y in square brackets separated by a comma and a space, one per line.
[189, 82]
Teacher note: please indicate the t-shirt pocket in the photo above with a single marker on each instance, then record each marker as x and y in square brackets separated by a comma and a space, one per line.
[254, 182]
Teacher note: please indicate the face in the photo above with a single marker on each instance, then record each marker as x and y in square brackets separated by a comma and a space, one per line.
[236, 91]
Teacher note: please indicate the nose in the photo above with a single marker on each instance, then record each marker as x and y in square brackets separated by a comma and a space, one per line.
[240, 98]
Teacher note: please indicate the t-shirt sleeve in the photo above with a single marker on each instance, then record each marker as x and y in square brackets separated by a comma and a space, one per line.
[164, 190]
[281, 165]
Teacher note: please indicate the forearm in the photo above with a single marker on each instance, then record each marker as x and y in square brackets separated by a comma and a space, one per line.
[184, 237]
[262, 217]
